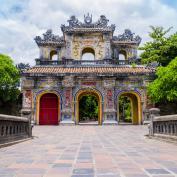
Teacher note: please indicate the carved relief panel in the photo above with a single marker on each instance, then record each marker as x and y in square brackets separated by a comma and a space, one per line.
[68, 81]
[94, 41]
[109, 94]
[27, 83]
[109, 99]
[88, 84]
[130, 84]
[109, 83]
[68, 98]
[76, 50]
[27, 99]
[48, 83]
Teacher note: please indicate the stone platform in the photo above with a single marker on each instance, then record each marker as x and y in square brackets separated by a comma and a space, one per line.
[89, 151]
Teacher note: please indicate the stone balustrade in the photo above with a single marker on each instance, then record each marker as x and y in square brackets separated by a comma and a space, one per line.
[13, 128]
[162, 125]
[165, 125]
[87, 62]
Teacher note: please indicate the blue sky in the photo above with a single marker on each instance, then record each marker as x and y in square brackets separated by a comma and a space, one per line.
[172, 3]
[22, 20]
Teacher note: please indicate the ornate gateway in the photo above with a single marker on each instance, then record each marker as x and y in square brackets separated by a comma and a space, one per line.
[87, 60]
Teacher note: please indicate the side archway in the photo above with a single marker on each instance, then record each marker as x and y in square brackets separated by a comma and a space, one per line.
[85, 92]
[48, 108]
[136, 107]
[53, 55]
[122, 55]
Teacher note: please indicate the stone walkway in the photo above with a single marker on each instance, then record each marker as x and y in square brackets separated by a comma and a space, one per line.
[89, 151]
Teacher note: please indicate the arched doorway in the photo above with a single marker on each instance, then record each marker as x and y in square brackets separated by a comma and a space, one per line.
[131, 110]
[48, 109]
[88, 108]
[125, 109]
[88, 54]
[92, 94]
[53, 55]
[122, 55]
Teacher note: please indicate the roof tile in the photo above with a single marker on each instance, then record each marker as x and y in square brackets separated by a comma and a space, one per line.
[63, 70]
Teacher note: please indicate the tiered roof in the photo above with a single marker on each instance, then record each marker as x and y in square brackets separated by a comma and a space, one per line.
[49, 39]
[89, 70]
[75, 26]
[127, 38]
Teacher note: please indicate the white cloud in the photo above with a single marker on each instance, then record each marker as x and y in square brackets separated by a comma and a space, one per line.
[17, 29]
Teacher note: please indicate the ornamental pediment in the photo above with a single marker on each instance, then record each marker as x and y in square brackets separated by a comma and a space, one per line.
[74, 23]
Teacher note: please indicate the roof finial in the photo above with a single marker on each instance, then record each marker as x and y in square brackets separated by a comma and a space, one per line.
[88, 19]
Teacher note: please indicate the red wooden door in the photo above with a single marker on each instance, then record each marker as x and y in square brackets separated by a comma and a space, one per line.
[48, 114]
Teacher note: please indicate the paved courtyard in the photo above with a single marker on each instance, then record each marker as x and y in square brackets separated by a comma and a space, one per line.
[89, 151]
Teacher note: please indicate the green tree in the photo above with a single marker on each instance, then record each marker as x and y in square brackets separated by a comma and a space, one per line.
[161, 49]
[125, 108]
[88, 107]
[9, 78]
[164, 87]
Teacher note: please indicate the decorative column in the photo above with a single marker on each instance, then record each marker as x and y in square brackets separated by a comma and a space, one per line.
[109, 106]
[68, 54]
[107, 46]
[67, 106]
[58, 53]
[26, 111]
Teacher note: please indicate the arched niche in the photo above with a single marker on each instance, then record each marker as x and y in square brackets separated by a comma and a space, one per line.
[53, 55]
[88, 54]
[122, 55]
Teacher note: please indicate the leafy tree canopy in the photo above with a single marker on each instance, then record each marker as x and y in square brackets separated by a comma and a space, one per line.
[165, 86]
[9, 78]
[161, 49]
[88, 107]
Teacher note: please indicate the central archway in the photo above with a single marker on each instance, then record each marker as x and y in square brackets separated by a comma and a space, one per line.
[93, 93]
[88, 54]
[88, 109]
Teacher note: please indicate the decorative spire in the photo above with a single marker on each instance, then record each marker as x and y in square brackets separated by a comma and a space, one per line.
[88, 19]
[128, 36]
[48, 37]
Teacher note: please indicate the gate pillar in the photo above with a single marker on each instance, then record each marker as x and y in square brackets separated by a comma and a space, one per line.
[109, 104]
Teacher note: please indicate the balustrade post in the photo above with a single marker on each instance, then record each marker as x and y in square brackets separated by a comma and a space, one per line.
[27, 113]
[153, 113]
[175, 128]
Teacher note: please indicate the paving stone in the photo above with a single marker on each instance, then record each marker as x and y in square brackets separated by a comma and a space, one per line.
[136, 175]
[82, 171]
[163, 176]
[7, 171]
[84, 160]
[82, 175]
[58, 165]
[174, 170]
[89, 151]
[108, 175]
[33, 171]
[157, 171]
